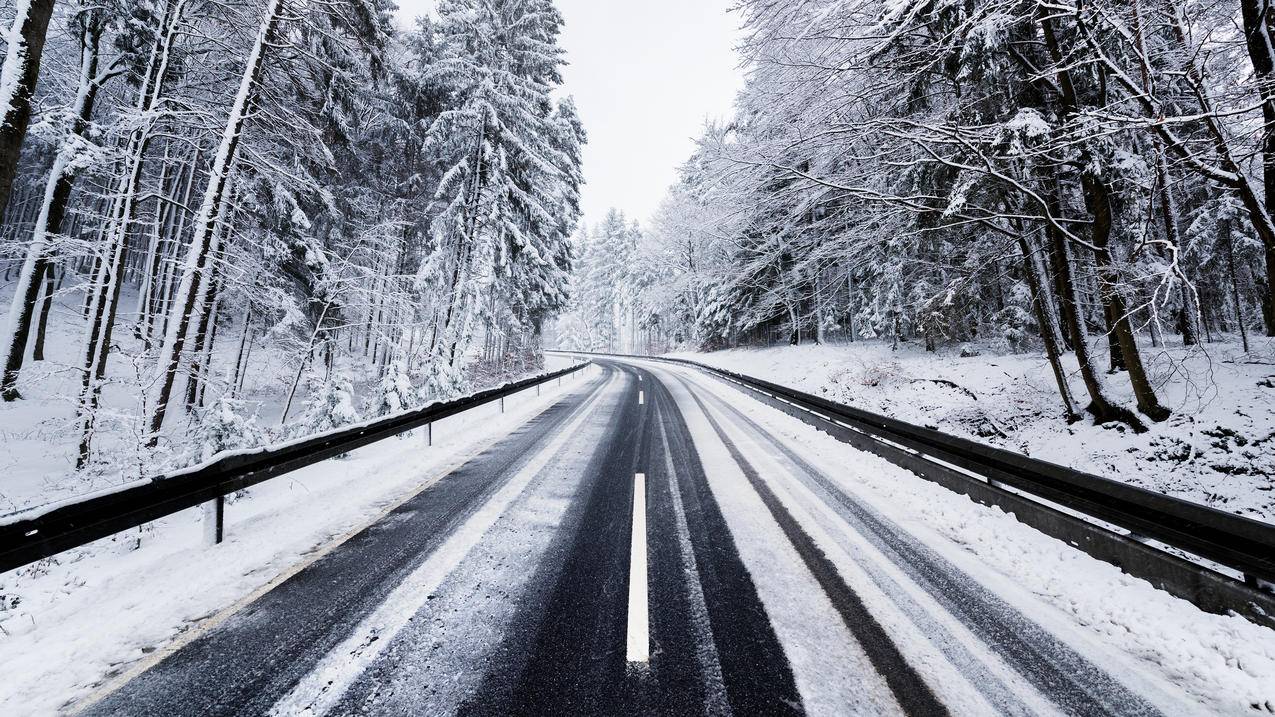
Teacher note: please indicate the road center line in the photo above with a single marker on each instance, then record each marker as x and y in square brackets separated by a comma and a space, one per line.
[641, 397]
[639, 638]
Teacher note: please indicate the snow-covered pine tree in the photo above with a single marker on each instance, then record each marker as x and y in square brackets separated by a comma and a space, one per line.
[509, 170]
[395, 392]
[224, 426]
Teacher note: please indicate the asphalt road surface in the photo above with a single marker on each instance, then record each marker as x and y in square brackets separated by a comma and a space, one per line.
[640, 547]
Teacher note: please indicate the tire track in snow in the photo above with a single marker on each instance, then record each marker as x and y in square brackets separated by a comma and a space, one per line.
[1056, 671]
[912, 692]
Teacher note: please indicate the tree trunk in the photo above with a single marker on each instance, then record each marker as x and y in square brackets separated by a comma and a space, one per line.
[194, 375]
[1258, 20]
[1049, 325]
[46, 306]
[233, 383]
[1115, 356]
[850, 310]
[819, 308]
[1113, 298]
[150, 265]
[305, 360]
[18, 76]
[1228, 241]
[1190, 323]
[1100, 405]
[170, 245]
[1153, 323]
[1060, 265]
[57, 193]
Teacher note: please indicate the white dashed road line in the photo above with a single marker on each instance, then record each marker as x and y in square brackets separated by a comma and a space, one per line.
[639, 640]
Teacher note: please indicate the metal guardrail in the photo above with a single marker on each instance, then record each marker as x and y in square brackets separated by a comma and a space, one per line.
[38, 533]
[1242, 544]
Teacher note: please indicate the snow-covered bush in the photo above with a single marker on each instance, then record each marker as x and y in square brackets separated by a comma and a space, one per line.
[1016, 323]
[223, 426]
[395, 393]
[443, 381]
[880, 373]
[331, 405]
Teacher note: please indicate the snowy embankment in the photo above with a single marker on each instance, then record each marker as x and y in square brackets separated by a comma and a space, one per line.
[40, 433]
[89, 614]
[1218, 448]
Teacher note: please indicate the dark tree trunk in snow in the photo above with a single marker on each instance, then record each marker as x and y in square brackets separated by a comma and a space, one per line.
[46, 306]
[1115, 305]
[48, 222]
[1258, 20]
[1100, 405]
[17, 85]
[1049, 330]
[1227, 240]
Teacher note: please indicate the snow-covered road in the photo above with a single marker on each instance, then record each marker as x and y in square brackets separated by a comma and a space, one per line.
[784, 573]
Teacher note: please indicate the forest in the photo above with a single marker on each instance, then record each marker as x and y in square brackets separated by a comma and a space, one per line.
[299, 203]
[1090, 181]
[231, 223]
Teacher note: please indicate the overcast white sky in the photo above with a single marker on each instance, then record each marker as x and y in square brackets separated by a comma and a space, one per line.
[645, 75]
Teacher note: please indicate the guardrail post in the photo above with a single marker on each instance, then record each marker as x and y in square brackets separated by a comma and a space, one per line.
[429, 432]
[502, 404]
[214, 520]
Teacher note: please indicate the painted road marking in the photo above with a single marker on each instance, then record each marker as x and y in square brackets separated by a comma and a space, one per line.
[639, 639]
[641, 397]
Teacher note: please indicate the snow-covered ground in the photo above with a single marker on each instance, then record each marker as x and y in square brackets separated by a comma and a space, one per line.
[1218, 448]
[69, 622]
[40, 433]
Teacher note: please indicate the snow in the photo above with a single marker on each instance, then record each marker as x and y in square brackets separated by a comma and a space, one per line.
[103, 609]
[1167, 650]
[1216, 449]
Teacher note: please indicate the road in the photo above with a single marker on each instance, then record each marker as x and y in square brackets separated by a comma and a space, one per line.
[640, 547]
